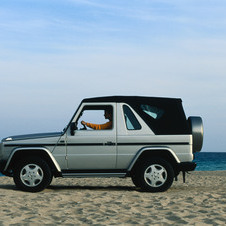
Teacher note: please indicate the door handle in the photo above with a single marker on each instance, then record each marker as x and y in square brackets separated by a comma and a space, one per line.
[109, 143]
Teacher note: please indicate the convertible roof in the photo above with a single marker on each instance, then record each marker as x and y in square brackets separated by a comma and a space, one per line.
[131, 99]
[173, 121]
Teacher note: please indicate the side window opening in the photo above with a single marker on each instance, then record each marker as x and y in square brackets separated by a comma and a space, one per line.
[95, 118]
[130, 119]
[154, 112]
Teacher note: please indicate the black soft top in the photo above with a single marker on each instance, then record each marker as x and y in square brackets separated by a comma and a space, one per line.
[129, 99]
[173, 121]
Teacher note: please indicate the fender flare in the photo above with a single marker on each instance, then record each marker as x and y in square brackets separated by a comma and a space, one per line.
[33, 149]
[139, 153]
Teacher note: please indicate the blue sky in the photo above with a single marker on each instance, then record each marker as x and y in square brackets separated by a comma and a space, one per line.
[53, 53]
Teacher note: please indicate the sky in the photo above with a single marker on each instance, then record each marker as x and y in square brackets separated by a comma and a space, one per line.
[54, 53]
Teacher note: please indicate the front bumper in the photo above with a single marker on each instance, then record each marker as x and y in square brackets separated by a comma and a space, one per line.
[187, 166]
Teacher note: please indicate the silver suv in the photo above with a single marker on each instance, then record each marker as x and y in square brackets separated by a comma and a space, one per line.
[147, 138]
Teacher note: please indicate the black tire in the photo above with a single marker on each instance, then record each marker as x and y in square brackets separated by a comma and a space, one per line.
[154, 175]
[135, 180]
[32, 174]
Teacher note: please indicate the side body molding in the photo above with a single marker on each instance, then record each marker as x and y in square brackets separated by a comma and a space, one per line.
[51, 157]
[150, 149]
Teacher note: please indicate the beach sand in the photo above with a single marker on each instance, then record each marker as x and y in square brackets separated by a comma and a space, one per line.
[113, 201]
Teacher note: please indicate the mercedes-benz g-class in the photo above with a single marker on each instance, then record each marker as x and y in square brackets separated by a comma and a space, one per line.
[146, 138]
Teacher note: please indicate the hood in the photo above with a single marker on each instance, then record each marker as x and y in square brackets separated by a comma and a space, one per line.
[32, 136]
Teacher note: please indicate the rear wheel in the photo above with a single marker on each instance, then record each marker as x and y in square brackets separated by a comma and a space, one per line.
[154, 175]
[32, 174]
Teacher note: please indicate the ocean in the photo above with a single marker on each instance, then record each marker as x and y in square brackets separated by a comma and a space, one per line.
[208, 161]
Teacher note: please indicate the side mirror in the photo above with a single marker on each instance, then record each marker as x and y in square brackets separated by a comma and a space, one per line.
[73, 127]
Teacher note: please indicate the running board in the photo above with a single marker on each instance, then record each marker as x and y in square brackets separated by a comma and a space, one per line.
[83, 175]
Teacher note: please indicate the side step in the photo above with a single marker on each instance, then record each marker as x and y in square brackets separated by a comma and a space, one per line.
[93, 173]
[83, 175]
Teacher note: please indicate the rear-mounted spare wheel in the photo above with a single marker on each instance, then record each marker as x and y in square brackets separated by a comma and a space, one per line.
[196, 126]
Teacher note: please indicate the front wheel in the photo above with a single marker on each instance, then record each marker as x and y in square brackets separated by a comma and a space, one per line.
[32, 174]
[155, 175]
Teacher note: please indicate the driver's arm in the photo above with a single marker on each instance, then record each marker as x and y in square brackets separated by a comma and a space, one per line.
[107, 125]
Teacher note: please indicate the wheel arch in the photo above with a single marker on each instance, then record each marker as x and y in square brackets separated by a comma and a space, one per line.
[151, 152]
[43, 153]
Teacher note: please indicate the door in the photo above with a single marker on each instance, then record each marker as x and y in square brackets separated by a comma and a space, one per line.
[93, 147]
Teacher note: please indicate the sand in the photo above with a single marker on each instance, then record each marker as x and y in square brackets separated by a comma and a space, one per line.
[113, 201]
